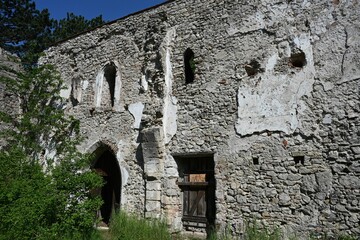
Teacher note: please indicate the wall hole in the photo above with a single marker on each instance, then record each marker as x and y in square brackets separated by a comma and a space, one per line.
[299, 160]
[253, 68]
[297, 58]
[255, 161]
[189, 65]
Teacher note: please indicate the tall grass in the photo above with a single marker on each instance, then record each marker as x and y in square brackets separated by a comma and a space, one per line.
[129, 227]
[254, 232]
[126, 226]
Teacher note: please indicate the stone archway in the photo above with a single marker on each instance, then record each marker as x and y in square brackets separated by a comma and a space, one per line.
[107, 166]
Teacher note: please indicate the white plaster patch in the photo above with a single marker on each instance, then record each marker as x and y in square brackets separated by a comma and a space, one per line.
[327, 119]
[136, 109]
[144, 83]
[124, 176]
[232, 30]
[170, 107]
[273, 104]
[122, 149]
[271, 62]
[98, 87]
[85, 85]
[65, 93]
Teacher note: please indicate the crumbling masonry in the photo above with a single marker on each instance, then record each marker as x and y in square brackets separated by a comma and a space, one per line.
[212, 113]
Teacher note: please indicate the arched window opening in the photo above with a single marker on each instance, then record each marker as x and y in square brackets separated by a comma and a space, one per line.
[108, 87]
[75, 96]
[109, 90]
[189, 64]
[107, 166]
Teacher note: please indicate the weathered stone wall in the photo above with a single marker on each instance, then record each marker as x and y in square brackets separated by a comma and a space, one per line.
[275, 97]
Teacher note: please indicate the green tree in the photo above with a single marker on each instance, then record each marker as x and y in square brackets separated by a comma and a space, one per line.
[20, 25]
[42, 197]
[73, 25]
[27, 31]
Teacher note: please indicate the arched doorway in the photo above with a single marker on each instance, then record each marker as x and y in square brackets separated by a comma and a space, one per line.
[107, 166]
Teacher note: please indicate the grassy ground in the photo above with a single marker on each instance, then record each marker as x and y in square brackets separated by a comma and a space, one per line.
[130, 227]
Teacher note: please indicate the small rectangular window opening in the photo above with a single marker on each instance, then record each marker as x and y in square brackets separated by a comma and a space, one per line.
[256, 161]
[299, 160]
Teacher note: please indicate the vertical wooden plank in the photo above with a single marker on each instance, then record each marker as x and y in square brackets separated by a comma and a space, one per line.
[186, 203]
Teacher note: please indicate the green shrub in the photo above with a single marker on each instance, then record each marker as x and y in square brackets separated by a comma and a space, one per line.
[38, 198]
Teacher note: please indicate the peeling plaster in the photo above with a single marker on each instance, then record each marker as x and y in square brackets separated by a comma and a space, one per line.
[273, 105]
[170, 107]
[85, 85]
[144, 83]
[136, 109]
[65, 93]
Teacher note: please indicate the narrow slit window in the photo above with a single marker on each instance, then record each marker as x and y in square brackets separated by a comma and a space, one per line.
[110, 75]
[189, 66]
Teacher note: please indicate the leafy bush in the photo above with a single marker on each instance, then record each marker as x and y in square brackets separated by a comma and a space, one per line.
[41, 198]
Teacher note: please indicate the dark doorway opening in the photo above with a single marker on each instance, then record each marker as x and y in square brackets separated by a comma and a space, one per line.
[197, 182]
[107, 166]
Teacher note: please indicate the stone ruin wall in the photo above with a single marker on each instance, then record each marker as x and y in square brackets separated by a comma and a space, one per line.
[275, 98]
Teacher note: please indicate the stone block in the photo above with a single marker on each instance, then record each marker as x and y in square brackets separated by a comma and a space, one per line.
[152, 215]
[153, 135]
[298, 153]
[171, 172]
[355, 149]
[153, 185]
[350, 182]
[151, 151]
[284, 199]
[153, 195]
[152, 206]
[308, 183]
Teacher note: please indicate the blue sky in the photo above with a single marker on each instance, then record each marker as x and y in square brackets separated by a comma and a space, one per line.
[109, 9]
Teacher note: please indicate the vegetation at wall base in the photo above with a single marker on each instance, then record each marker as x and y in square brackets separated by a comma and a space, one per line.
[126, 226]
[253, 231]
